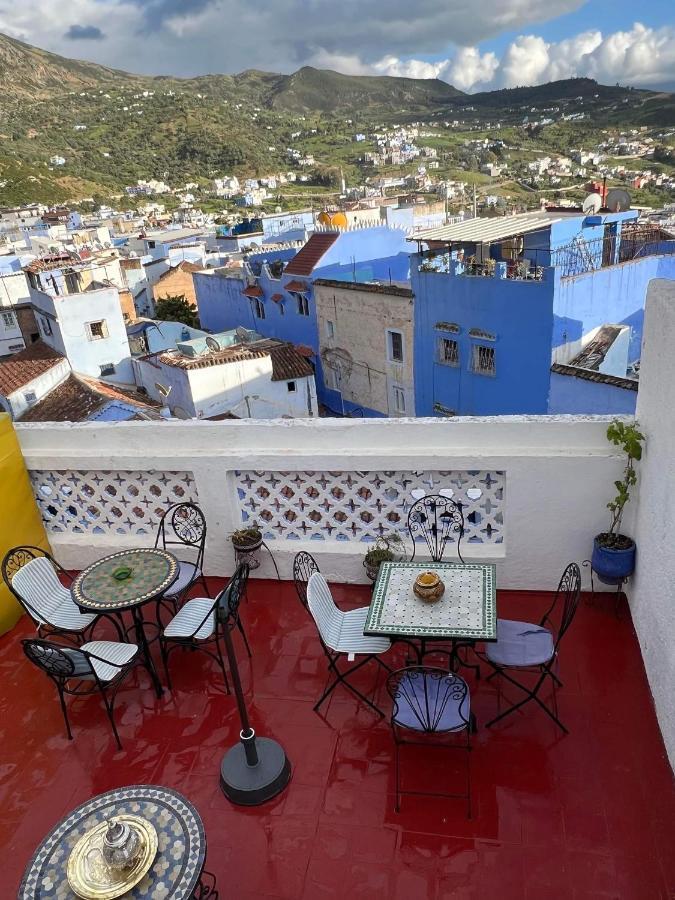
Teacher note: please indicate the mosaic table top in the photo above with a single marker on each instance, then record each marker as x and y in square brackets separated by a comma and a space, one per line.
[467, 609]
[181, 845]
[153, 571]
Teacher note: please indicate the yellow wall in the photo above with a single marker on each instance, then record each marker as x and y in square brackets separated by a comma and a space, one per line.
[20, 521]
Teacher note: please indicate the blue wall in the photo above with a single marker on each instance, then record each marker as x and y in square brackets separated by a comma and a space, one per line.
[612, 295]
[518, 313]
[578, 396]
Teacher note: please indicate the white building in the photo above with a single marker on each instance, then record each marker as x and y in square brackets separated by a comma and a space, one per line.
[89, 329]
[30, 375]
[256, 379]
[57, 160]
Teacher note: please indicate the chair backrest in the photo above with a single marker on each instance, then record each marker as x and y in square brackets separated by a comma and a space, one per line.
[228, 600]
[436, 518]
[304, 566]
[425, 692]
[31, 575]
[567, 597]
[327, 616]
[59, 662]
[184, 525]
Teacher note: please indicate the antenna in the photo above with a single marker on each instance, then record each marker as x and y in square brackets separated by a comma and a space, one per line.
[617, 200]
[592, 204]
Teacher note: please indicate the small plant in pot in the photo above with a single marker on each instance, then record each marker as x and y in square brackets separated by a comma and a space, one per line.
[614, 553]
[247, 539]
[386, 549]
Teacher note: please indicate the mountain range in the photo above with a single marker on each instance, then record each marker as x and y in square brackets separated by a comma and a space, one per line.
[215, 123]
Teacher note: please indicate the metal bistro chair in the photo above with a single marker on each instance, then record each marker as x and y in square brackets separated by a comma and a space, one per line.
[32, 575]
[184, 526]
[534, 648]
[196, 626]
[78, 671]
[341, 633]
[436, 518]
[429, 701]
[304, 566]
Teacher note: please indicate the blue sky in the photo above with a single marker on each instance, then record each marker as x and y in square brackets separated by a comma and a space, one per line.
[474, 44]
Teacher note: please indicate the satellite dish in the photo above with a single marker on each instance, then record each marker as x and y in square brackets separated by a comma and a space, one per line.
[592, 204]
[212, 344]
[242, 334]
[617, 200]
[163, 389]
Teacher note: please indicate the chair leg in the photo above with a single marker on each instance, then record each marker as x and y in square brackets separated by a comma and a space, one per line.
[243, 634]
[468, 774]
[222, 663]
[341, 678]
[64, 710]
[165, 660]
[109, 710]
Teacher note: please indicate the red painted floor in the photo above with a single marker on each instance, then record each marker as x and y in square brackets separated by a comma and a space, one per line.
[591, 815]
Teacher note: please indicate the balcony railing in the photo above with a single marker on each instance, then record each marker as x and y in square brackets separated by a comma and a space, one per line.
[581, 256]
[534, 489]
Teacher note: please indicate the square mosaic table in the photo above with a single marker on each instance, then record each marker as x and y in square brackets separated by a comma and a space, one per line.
[467, 610]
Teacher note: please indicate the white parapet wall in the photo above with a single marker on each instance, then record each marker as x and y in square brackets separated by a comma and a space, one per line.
[534, 488]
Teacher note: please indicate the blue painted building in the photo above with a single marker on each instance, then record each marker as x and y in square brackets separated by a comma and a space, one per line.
[497, 301]
[273, 293]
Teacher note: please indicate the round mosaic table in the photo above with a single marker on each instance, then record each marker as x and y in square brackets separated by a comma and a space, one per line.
[176, 871]
[97, 590]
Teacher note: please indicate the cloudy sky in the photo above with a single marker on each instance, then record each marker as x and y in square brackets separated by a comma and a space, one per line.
[473, 44]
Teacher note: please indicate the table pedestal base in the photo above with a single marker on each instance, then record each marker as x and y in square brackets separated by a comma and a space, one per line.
[250, 785]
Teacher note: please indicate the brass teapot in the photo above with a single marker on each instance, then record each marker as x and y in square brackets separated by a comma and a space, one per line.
[121, 845]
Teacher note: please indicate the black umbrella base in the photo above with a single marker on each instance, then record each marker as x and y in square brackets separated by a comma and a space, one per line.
[251, 785]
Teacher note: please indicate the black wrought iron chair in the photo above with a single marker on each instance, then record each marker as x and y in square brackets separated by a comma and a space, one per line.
[96, 666]
[182, 529]
[526, 647]
[436, 519]
[36, 580]
[197, 624]
[304, 566]
[432, 702]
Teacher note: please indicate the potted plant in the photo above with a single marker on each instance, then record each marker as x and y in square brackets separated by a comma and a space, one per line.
[246, 540]
[614, 553]
[388, 548]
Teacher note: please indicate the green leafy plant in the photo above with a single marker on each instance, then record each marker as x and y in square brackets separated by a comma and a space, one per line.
[245, 537]
[176, 309]
[628, 438]
[386, 549]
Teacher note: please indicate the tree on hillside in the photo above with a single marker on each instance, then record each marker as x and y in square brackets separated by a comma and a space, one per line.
[176, 309]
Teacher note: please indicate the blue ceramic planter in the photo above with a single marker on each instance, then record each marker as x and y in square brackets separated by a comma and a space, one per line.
[610, 565]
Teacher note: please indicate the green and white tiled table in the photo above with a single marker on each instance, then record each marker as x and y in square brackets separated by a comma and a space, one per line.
[466, 612]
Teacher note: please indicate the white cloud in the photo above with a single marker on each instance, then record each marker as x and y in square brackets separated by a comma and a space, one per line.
[392, 37]
[642, 56]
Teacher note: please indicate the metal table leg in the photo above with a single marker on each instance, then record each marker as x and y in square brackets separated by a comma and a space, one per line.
[142, 642]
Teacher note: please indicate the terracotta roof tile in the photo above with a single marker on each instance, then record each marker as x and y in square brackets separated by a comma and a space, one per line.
[26, 365]
[253, 290]
[287, 362]
[184, 266]
[79, 398]
[307, 257]
[297, 286]
[277, 298]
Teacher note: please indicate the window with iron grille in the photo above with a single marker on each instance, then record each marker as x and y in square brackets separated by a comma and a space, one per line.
[483, 360]
[395, 346]
[97, 331]
[448, 352]
[107, 369]
[8, 320]
[45, 326]
[303, 305]
[259, 308]
[399, 399]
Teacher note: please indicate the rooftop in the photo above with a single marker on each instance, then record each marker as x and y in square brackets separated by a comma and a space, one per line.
[78, 399]
[368, 286]
[585, 816]
[183, 266]
[594, 352]
[305, 260]
[287, 362]
[488, 229]
[26, 365]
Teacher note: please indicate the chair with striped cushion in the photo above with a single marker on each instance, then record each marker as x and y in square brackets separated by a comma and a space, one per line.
[96, 666]
[341, 634]
[197, 624]
[182, 529]
[32, 575]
